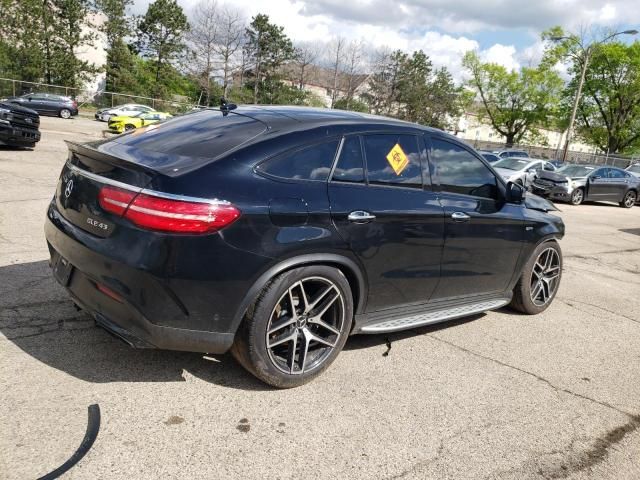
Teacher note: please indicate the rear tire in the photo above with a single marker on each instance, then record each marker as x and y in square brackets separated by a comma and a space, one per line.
[577, 196]
[629, 199]
[540, 279]
[287, 350]
[65, 113]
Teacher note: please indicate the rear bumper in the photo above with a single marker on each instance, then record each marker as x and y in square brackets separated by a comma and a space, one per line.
[18, 137]
[146, 311]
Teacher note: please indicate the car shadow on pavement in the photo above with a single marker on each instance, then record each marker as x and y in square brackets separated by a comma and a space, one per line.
[37, 316]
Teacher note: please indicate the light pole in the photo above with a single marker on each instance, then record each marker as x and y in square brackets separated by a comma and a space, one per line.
[586, 53]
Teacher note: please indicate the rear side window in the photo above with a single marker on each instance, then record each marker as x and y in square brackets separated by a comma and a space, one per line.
[206, 134]
[310, 163]
[393, 160]
[350, 164]
[614, 173]
[461, 172]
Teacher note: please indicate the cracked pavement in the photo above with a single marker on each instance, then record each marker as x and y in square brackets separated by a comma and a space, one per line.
[495, 396]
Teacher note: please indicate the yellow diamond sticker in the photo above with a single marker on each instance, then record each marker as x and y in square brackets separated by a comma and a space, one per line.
[397, 159]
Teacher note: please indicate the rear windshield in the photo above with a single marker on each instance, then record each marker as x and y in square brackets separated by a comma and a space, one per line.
[205, 134]
[634, 169]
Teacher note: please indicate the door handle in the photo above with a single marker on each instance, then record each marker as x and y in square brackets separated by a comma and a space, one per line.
[460, 217]
[360, 216]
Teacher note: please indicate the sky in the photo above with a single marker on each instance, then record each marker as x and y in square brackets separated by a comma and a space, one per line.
[502, 31]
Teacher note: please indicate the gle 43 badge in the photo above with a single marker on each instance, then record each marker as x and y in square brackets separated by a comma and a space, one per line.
[397, 159]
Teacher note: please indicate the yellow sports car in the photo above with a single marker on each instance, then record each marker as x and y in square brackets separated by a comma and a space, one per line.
[124, 124]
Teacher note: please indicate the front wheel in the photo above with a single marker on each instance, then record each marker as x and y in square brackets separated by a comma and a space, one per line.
[65, 113]
[297, 326]
[577, 196]
[128, 127]
[629, 199]
[540, 279]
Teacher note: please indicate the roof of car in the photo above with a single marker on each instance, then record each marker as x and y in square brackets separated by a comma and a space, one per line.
[294, 117]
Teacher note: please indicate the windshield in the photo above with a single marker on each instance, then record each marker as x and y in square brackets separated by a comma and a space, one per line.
[575, 171]
[512, 164]
[634, 169]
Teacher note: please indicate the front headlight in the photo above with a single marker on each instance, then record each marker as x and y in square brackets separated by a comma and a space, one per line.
[6, 114]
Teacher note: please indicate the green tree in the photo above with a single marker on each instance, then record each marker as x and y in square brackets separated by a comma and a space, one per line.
[39, 40]
[267, 49]
[352, 104]
[160, 35]
[408, 87]
[516, 103]
[609, 114]
[120, 60]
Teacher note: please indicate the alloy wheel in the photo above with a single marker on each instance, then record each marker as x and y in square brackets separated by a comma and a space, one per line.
[64, 113]
[305, 325]
[629, 199]
[545, 277]
[577, 197]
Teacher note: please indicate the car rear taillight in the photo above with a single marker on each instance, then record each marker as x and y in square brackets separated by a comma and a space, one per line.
[168, 215]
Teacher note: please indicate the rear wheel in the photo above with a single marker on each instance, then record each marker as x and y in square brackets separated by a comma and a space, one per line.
[297, 327]
[629, 199]
[540, 279]
[65, 113]
[577, 196]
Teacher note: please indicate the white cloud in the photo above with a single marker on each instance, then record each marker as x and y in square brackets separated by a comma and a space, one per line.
[504, 55]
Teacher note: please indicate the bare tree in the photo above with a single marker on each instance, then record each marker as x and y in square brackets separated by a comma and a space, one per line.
[306, 54]
[231, 26]
[353, 67]
[337, 54]
[202, 40]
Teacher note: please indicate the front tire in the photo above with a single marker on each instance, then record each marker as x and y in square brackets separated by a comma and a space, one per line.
[629, 199]
[128, 127]
[65, 113]
[577, 196]
[297, 326]
[540, 279]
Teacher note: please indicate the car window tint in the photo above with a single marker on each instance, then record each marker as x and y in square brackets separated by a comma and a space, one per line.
[393, 160]
[601, 172]
[350, 164]
[310, 163]
[206, 134]
[461, 172]
[615, 173]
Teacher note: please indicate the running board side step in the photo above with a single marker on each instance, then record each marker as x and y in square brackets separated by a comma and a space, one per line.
[432, 316]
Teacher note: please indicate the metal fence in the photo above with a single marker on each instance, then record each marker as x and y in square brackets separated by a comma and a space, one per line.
[556, 154]
[91, 98]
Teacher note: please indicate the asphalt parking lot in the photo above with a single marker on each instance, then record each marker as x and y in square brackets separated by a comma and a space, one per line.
[496, 396]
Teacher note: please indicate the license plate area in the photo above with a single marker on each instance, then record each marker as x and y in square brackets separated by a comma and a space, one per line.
[62, 270]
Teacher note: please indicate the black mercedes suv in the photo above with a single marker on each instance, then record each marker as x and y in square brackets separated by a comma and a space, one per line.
[277, 232]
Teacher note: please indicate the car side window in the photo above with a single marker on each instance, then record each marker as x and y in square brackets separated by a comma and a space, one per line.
[393, 160]
[458, 171]
[615, 173]
[309, 163]
[601, 172]
[350, 166]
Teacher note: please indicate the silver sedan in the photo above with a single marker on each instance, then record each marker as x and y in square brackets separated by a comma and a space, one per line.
[522, 171]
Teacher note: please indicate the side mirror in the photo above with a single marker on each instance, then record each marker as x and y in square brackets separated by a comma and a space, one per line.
[515, 193]
[595, 177]
[532, 171]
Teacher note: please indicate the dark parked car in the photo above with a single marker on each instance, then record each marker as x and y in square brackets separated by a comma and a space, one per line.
[18, 126]
[577, 183]
[47, 104]
[277, 232]
[489, 156]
